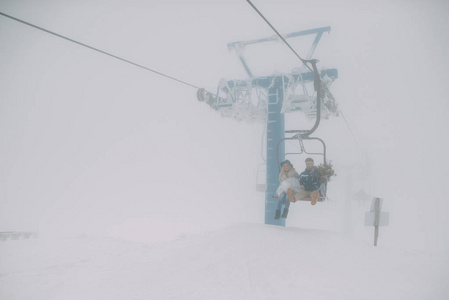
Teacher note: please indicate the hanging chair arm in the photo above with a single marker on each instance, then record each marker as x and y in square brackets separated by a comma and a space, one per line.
[277, 149]
[277, 154]
[322, 142]
[317, 87]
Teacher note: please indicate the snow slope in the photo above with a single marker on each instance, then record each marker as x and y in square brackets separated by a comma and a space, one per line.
[245, 261]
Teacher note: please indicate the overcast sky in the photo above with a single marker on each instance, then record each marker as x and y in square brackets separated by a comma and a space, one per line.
[87, 139]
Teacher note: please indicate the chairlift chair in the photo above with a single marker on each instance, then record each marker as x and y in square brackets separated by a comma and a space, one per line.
[323, 186]
[302, 135]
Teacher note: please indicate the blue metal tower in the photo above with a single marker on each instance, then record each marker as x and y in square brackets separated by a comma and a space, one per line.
[235, 99]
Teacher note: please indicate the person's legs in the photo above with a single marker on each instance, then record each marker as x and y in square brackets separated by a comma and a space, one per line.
[287, 205]
[314, 196]
[301, 194]
[281, 200]
[284, 213]
[291, 196]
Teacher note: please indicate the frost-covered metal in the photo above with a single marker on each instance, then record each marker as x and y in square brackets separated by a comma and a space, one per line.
[247, 100]
[266, 99]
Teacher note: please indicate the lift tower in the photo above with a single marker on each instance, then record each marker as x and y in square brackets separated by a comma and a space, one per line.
[266, 99]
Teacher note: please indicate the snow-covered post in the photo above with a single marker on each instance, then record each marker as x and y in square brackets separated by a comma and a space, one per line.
[376, 220]
[375, 217]
[348, 220]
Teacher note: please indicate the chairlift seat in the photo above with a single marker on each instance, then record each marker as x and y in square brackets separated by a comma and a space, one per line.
[322, 194]
[320, 198]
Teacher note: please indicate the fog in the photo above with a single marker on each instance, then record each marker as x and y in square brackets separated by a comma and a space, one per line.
[91, 144]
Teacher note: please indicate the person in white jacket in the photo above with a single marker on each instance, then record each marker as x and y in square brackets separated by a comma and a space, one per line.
[288, 185]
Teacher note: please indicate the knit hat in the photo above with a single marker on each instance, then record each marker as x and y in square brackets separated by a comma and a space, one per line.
[286, 162]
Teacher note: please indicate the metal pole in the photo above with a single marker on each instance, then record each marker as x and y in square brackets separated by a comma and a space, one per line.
[376, 220]
[275, 133]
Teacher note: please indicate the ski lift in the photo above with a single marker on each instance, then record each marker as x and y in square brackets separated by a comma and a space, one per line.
[304, 135]
[303, 150]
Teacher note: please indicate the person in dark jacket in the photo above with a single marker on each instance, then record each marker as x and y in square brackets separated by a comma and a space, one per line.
[310, 182]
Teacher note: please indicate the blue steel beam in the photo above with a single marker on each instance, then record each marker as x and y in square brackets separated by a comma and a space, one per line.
[320, 30]
[266, 81]
[314, 44]
[275, 133]
[238, 46]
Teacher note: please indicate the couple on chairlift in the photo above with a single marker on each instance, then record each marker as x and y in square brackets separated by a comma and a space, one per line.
[294, 186]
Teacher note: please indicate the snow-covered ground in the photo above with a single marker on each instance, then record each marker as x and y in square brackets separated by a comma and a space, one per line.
[138, 191]
[244, 261]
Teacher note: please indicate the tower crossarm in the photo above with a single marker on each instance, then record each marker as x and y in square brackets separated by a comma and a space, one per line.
[248, 99]
[317, 31]
[240, 45]
[267, 81]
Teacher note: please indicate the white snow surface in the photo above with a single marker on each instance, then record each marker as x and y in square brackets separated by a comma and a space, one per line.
[243, 261]
[138, 191]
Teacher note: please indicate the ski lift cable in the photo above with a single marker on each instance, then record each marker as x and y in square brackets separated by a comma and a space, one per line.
[350, 131]
[282, 38]
[100, 51]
